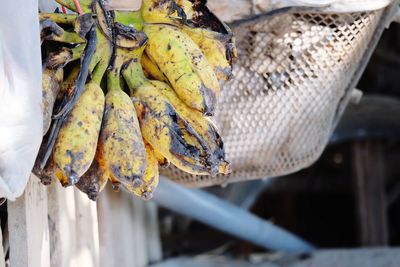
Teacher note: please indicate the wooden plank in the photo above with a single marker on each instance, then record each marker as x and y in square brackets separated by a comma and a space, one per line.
[369, 176]
[61, 202]
[122, 230]
[87, 233]
[28, 227]
[231, 10]
[154, 249]
[139, 226]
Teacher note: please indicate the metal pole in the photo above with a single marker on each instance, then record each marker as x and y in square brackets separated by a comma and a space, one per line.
[227, 217]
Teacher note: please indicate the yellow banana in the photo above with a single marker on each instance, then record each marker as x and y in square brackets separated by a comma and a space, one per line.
[51, 82]
[150, 178]
[215, 48]
[167, 11]
[151, 70]
[162, 161]
[122, 147]
[68, 86]
[75, 146]
[76, 143]
[165, 129]
[185, 66]
[211, 141]
[93, 181]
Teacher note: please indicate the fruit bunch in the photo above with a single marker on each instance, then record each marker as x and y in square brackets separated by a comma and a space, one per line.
[127, 92]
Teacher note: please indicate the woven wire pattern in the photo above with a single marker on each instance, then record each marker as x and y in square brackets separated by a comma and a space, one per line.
[276, 115]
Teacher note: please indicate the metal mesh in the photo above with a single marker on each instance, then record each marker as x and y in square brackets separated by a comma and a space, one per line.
[277, 115]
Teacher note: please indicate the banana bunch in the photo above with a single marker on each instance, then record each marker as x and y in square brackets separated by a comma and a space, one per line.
[125, 93]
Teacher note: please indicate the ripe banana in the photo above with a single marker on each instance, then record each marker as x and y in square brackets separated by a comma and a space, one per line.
[96, 138]
[121, 143]
[68, 86]
[215, 48]
[150, 178]
[75, 146]
[185, 66]
[167, 11]
[151, 70]
[166, 130]
[51, 82]
[162, 161]
[93, 181]
[211, 141]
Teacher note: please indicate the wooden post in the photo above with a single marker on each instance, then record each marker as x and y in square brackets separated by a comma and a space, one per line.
[154, 249]
[369, 175]
[87, 232]
[122, 230]
[28, 227]
[62, 226]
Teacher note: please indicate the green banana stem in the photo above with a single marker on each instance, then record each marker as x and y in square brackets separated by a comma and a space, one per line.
[58, 18]
[133, 73]
[77, 51]
[130, 18]
[113, 78]
[85, 5]
[68, 37]
[65, 56]
[99, 71]
[100, 60]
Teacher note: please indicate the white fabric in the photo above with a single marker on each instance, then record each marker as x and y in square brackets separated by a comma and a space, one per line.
[20, 94]
[335, 6]
[132, 5]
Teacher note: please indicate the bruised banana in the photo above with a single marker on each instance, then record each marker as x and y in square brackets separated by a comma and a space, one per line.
[185, 66]
[93, 181]
[181, 13]
[150, 178]
[51, 82]
[211, 141]
[76, 142]
[214, 47]
[162, 161]
[121, 144]
[151, 70]
[167, 11]
[165, 129]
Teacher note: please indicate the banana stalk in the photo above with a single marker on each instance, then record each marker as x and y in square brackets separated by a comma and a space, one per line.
[64, 56]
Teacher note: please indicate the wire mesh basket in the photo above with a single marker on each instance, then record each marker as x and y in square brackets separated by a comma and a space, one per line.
[291, 83]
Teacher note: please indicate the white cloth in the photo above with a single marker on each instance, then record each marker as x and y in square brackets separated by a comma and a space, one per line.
[132, 5]
[20, 94]
[334, 6]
